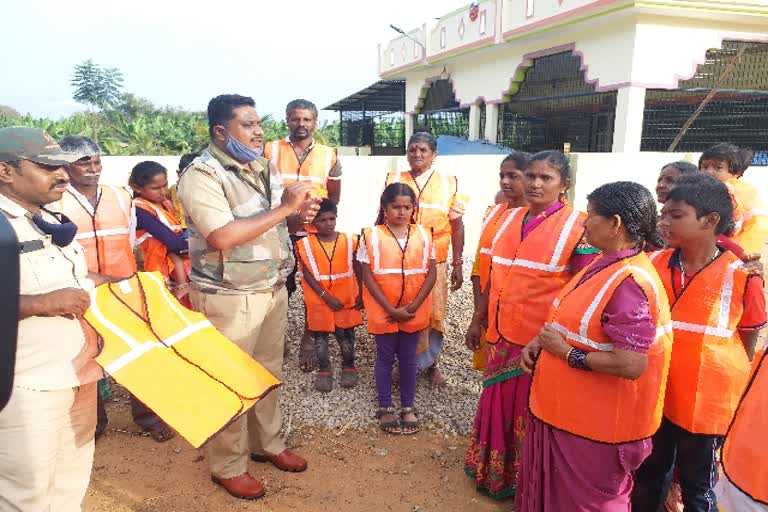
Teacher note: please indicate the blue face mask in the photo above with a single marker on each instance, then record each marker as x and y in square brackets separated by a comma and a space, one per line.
[61, 234]
[240, 152]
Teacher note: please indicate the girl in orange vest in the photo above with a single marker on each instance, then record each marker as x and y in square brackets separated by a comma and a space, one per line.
[332, 295]
[600, 363]
[511, 195]
[534, 252]
[398, 270]
[728, 163]
[718, 309]
[158, 230]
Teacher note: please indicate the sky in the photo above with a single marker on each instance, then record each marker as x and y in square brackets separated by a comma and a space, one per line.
[182, 53]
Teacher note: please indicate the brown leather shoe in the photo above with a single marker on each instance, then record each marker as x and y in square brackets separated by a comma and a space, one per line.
[286, 461]
[243, 486]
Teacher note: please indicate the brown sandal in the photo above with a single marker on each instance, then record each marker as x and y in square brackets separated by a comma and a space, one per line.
[160, 432]
[390, 427]
[408, 428]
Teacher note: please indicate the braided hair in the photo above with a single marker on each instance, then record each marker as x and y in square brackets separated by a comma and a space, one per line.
[635, 206]
[392, 191]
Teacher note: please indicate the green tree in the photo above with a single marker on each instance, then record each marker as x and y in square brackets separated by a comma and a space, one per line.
[96, 86]
[9, 112]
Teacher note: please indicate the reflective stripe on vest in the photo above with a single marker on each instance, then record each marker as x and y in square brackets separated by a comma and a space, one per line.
[527, 274]
[173, 359]
[313, 262]
[315, 168]
[709, 364]
[487, 236]
[400, 274]
[745, 452]
[595, 405]
[162, 215]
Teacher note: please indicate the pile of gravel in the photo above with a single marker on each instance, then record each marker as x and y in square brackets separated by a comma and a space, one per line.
[449, 409]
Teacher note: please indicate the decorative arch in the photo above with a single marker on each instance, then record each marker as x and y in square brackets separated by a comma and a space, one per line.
[440, 111]
[551, 102]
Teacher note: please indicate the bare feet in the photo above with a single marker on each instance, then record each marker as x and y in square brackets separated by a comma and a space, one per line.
[436, 378]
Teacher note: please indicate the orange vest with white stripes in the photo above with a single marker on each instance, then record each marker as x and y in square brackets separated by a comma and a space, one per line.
[400, 274]
[104, 232]
[709, 364]
[526, 275]
[154, 251]
[745, 452]
[314, 169]
[173, 359]
[752, 222]
[335, 273]
[594, 405]
[494, 217]
[433, 203]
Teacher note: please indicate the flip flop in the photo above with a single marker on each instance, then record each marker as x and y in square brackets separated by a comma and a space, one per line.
[408, 428]
[160, 432]
[390, 427]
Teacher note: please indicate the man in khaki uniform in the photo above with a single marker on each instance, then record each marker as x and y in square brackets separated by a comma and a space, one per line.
[47, 428]
[237, 211]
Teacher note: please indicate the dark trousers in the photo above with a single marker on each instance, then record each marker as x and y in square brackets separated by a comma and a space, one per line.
[346, 340]
[142, 415]
[403, 345]
[290, 283]
[696, 459]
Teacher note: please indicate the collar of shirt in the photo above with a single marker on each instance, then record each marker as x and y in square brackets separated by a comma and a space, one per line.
[423, 178]
[11, 207]
[300, 155]
[84, 202]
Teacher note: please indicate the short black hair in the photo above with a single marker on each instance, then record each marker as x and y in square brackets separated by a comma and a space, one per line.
[185, 160]
[143, 172]
[706, 195]
[635, 206]
[519, 158]
[725, 153]
[326, 205]
[300, 104]
[683, 167]
[426, 137]
[221, 109]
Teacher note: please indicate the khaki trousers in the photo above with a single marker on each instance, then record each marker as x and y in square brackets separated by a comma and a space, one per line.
[256, 323]
[46, 449]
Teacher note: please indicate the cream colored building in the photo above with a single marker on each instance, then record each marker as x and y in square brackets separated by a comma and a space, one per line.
[601, 75]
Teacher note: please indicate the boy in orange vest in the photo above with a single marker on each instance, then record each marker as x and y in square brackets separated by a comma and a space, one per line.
[330, 280]
[718, 309]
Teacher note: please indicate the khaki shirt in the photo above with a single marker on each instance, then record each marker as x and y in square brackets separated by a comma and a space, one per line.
[52, 352]
[216, 190]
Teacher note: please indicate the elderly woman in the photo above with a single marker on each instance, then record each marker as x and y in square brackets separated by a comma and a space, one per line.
[601, 364]
[439, 207]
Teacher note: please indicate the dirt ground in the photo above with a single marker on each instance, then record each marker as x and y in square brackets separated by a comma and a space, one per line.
[350, 472]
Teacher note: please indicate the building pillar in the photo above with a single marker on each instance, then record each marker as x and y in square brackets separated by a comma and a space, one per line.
[628, 123]
[474, 122]
[410, 122]
[491, 122]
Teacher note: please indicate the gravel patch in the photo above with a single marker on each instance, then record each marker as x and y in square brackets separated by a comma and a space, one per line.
[450, 409]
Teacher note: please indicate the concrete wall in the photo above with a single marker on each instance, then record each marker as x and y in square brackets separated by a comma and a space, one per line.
[477, 176]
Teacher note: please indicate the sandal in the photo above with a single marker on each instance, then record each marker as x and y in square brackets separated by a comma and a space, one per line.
[392, 426]
[160, 432]
[349, 377]
[323, 381]
[408, 427]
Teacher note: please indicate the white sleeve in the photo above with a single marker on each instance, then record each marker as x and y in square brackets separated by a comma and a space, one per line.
[362, 252]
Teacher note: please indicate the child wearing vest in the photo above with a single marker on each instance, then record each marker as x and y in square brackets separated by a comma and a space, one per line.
[158, 230]
[332, 295]
[718, 309]
[728, 163]
[398, 268]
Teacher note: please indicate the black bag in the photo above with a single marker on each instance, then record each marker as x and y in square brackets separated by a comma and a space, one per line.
[9, 307]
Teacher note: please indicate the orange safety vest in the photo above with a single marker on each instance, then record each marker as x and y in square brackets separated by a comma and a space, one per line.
[709, 364]
[154, 251]
[315, 168]
[335, 273]
[104, 231]
[752, 222]
[400, 276]
[433, 203]
[494, 216]
[745, 452]
[173, 359]
[526, 275]
[594, 405]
